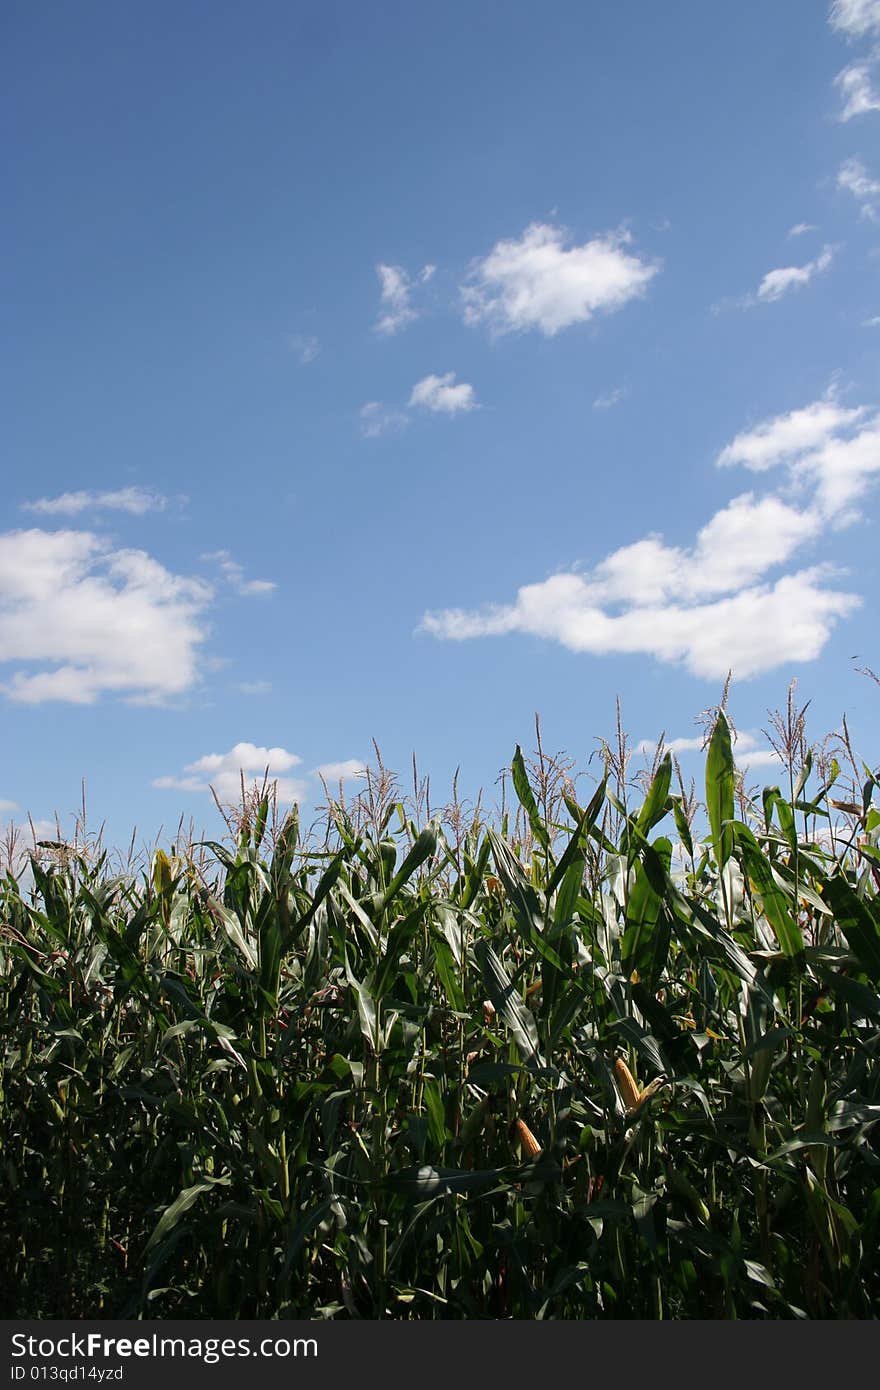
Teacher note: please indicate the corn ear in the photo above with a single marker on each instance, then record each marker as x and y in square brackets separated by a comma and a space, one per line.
[529, 1146]
[626, 1084]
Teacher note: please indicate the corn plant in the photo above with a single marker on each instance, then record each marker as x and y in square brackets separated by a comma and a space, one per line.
[584, 1059]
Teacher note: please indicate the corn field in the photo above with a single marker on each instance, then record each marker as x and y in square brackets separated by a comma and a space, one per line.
[611, 1055]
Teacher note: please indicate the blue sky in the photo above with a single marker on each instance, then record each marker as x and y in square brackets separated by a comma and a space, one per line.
[397, 372]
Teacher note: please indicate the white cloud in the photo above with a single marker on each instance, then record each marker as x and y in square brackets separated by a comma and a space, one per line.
[712, 606]
[757, 757]
[536, 282]
[857, 91]
[84, 619]
[396, 307]
[855, 18]
[872, 323]
[233, 573]
[611, 398]
[801, 228]
[305, 346]
[671, 745]
[832, 449]
[786, 436]
[747, 751]
[255, 687]
[753, 631]
[342, 771]
[854, 178]
[8, 805]
[396, 311]
[378, 419]
[776, 283]
[224, 772]
[441, 394]
[134, 500]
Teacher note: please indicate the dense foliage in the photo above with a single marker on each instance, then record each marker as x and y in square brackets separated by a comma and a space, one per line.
[377, 1073]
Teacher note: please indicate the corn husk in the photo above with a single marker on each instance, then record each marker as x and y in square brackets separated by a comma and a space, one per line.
[626, 1084]
[523, 1136]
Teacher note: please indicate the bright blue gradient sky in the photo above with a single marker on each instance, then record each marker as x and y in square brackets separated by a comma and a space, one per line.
[352, 347]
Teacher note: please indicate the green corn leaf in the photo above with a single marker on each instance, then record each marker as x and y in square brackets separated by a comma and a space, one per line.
[720, 787]
[523, 789]
[424, 847]
[509, 1004]
[773, 898]
[656, 802]
[858, 920]
[180, 1206]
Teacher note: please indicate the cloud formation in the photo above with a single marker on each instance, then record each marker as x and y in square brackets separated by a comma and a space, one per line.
[341, 771]
[748, 750]
[442, 395]
[306, 347]
[777, 283]
[250, 762]
[540, 282]
[224, 772]
[714, 604]
[377, 419]
[396, 310]
[233, 573]
[610, 398]
[827, 448]
[81, 619]
[853, 177]
[134, 500]
[855, 18]
[857, 91]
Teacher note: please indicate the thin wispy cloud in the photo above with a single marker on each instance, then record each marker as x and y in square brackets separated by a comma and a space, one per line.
[137, 501]
[377, 419]
[777, 283]
[539, 281]
[854, 178]
[254, 687]
[233, 573]
[858, 94]
[396, 310]
[855, 18]
[79, 619]
[801, 229]
[442, 395]
[610, 398]
[306, 347]
[714, 605]
[247, 762]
